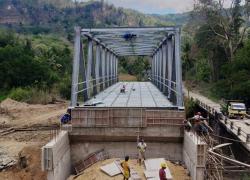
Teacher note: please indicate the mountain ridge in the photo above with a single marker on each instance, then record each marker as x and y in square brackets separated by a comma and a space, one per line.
[63, 15]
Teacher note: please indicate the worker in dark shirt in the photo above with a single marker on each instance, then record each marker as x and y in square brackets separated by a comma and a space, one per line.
[66, 117]
[162, 173]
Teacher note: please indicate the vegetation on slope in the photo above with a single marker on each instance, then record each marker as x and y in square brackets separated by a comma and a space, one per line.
[215, 54]
[33, 62]
[37, 16]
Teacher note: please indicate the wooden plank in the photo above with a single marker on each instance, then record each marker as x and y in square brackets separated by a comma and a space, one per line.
[153, 164]
[111, 169]
[90, 160]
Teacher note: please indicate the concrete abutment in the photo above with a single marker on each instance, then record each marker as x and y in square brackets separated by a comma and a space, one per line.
[164, 141]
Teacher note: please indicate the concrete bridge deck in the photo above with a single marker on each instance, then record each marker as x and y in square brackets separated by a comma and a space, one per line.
[137, 94]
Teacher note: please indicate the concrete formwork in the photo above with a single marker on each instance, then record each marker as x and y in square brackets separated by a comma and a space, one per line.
[125, 117]
[56, 158]
[194, 155]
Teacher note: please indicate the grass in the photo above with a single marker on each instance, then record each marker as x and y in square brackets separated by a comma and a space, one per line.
[127, 77]
[31, 95]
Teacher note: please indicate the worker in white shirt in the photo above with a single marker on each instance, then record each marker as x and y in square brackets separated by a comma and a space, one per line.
[141, 146]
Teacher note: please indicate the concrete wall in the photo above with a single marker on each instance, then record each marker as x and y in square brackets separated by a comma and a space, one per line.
[105, 134]
[56, 157]
[194, 155]
[125, 117]
[171, 151]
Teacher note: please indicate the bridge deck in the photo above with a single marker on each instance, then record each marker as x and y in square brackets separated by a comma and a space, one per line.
[137, 94]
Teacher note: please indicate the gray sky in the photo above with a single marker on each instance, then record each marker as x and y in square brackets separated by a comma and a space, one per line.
[154, 6]
[157, 6]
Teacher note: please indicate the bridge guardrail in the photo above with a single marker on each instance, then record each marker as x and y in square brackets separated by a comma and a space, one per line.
[234, 128]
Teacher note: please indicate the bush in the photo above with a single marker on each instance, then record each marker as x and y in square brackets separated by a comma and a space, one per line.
[20, 94]
[65, 87]
[31, 95]
[191, 107]
[38, 96]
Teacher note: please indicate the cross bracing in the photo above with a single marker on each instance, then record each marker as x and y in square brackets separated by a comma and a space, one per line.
[105, 45]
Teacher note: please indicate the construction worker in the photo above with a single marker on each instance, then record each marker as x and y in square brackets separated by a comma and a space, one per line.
[200, 124]
[126, 169]
[141, 146]
[123, 89]
[66, 117]
[162, 173]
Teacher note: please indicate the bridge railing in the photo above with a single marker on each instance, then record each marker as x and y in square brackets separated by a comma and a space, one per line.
[237, 130]
[168, 87]
[228, 123]
[92, 85]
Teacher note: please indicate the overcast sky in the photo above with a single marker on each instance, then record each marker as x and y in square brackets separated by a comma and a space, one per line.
[156, 6]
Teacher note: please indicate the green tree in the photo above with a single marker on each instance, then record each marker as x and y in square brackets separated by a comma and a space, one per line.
[226, 24]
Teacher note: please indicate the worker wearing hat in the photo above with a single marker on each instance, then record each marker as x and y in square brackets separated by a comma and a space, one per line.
[126, 169]
[162, 173]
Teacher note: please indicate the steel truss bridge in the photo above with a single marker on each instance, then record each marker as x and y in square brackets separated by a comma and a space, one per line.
[97, 70]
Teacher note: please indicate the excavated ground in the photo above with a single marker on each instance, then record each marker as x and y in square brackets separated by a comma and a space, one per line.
[24, 130]
[94, 172]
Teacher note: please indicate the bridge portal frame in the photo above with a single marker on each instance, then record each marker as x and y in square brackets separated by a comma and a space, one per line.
[106, 45]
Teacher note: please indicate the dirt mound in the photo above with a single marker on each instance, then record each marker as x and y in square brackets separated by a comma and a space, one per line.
[28, 167]
[11, 104]
[19, 113]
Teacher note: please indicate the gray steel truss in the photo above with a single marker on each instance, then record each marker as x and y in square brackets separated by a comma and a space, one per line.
[106, 45]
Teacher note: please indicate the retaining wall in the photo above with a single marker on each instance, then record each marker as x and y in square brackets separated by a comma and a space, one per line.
[56, 157]
[194, 155]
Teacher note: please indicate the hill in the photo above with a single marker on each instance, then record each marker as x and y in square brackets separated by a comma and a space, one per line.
[177, 19]
[63, 15]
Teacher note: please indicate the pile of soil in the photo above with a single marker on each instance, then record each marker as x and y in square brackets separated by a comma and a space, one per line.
[20, 113]
[28, 166]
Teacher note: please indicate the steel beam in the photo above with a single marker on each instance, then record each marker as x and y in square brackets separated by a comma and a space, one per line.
[83, 73]
[164, 58]
[108, 68]
[158, 67]
[170, 61]
[125, 29]
[117, 69]
[89, 36]
[152, 69]
[155, 66]
[103, 68]
[97, 66]
[111, 68]
[89, 65]
[76, 61]
[178, 68]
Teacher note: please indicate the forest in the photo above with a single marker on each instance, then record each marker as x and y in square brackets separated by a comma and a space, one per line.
[216, 50]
